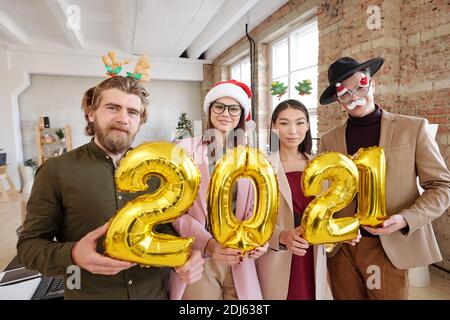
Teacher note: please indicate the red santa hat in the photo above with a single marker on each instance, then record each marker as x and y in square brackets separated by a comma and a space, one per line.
[231, 88]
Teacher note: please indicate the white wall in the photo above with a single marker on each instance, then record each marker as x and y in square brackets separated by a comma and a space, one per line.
[168, 99]
[59, 98]
[12, 83]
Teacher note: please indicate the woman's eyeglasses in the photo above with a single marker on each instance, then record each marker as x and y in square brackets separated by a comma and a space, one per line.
[233, 109]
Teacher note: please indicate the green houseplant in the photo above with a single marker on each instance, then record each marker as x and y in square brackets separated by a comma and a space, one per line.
[60, 134]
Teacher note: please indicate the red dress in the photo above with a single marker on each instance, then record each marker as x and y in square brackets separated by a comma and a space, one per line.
[301, 281]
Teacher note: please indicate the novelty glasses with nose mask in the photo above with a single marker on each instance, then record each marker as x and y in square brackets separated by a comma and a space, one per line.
[345, 95]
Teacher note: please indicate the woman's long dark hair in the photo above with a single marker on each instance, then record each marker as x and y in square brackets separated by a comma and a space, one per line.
[306, 144]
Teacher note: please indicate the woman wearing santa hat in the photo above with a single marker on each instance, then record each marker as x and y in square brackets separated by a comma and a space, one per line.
[229, 274]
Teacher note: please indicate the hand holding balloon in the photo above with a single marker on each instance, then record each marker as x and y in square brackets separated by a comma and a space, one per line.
[258, 252]
[391, 225]
[192, 270]
[84, 255]
[355, 241]
[293, 241]
[223, 254]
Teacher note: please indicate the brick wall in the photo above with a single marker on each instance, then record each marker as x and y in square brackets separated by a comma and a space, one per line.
[414, 39]
[424, 81]
[343, 31]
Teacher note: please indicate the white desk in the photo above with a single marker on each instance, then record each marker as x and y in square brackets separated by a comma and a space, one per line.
[19, 291]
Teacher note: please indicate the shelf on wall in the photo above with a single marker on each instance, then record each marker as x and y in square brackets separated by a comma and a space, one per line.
[47, 150]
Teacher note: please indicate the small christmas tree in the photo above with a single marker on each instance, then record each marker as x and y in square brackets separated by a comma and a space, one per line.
[184, 127]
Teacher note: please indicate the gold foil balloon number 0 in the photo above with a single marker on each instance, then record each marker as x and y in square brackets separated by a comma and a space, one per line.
[131, 235]
[364, 174]
[229, 231]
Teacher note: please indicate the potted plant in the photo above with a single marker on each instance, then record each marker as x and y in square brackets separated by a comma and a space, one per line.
[60, 134]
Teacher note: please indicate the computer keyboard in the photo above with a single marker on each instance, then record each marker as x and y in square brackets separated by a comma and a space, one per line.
[50, 288]
[56, 285]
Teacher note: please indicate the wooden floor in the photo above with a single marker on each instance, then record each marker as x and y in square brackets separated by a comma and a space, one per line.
[10, 220]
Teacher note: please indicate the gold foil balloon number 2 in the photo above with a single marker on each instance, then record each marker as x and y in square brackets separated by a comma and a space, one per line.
[364, 174]
[131, 235]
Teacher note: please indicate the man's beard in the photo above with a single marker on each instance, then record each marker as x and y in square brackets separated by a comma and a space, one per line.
[113, 141]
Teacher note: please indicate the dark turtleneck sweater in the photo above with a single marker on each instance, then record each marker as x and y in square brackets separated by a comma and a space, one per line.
[363, 132]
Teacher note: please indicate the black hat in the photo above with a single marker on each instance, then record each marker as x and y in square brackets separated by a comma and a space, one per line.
[343, 68]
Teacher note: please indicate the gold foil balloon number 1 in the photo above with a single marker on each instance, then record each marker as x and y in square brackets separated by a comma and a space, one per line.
[371, 164]
[131, 235]
[225, 227]
[364, 174]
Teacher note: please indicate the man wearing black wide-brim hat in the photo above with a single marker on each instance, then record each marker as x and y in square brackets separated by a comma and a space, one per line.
[406, 238]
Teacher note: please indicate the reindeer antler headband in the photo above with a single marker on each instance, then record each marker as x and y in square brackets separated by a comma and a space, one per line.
[113, 67]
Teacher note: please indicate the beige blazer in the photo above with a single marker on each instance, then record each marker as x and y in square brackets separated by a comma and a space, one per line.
[410, 151]
[274, 267]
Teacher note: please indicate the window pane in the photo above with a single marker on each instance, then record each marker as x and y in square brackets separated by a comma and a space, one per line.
[305, 47]
[236, 72]
[246, 77]
[310, 101]
[280, 59]
[275, 99]
[302, 48]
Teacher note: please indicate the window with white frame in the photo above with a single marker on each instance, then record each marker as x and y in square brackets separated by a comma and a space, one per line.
[240, 71]
[294, 59]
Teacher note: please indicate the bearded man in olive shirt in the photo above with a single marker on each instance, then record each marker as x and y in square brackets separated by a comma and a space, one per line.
[74, 196]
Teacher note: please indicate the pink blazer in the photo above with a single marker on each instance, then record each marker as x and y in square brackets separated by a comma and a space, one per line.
[193, 224]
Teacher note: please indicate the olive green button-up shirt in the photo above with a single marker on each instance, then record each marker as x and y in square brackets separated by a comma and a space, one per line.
[72, 195]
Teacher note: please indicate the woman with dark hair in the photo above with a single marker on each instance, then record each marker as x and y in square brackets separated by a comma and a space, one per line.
[229, 274]
[292, 269]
